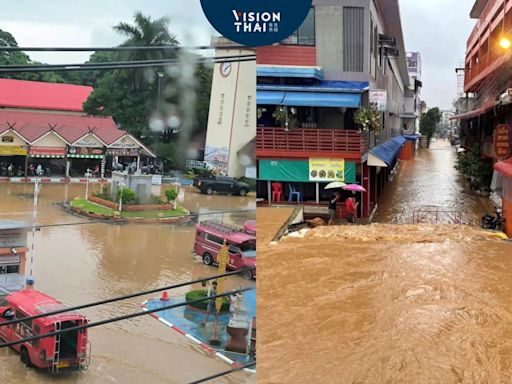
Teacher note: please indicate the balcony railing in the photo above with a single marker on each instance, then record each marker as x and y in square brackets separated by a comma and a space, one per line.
[310, 140]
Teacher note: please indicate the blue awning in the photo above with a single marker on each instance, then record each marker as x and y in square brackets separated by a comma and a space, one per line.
[309, 99]
[411, 137]
[290, 71]
[269, 97]
[321, 86]
[388, 151]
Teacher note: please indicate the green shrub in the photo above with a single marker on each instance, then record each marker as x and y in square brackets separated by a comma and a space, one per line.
[103, 195]
[202, 294]
[171, 195]
[128, 195]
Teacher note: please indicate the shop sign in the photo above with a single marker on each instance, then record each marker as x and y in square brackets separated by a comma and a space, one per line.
[125, 143]
[123, 151]
[378, 99]
[13, 238]
[89, 141]
[326, 170]
[56, 151]
[85, 151]
[12, 150]
[502, 141]
[7, 139]
[10, 259]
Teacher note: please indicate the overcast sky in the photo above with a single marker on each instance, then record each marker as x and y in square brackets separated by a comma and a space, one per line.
[89, 23]
[436, 28]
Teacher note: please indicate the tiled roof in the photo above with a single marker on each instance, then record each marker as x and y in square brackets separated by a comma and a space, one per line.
[41, 95]
[33, 125]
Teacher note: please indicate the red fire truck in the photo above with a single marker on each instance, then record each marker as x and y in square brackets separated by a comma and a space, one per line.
[68, 351]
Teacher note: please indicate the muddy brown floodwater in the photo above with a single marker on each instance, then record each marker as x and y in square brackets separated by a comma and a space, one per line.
[388, 303]
[84, 263]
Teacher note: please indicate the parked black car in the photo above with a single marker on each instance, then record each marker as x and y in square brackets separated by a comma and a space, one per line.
[221, 184]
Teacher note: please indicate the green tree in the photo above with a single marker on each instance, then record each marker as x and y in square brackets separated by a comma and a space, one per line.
[429, 122]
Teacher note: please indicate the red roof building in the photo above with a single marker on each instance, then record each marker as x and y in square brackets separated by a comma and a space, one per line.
[38, 95]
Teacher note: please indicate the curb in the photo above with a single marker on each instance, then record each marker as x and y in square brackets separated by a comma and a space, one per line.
[204, 346]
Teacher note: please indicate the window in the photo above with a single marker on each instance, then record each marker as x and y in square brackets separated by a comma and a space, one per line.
[248, 246]
[201, 235]
[13, 268]
[21, 315]
[353, 42]
[7, 139]
[215, 239]
[371, 37]
[305, 35]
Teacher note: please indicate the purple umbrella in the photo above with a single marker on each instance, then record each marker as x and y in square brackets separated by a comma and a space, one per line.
[354, 188]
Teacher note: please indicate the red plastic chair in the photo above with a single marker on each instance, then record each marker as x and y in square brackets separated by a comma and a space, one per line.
[277, 191]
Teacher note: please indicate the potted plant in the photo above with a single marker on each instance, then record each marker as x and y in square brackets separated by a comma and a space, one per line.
[367, 119]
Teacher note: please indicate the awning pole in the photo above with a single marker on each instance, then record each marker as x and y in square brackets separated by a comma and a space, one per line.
[269, 191]
[317, 193]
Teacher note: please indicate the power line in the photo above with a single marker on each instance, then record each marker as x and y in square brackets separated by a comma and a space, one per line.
[126, 62]
[124, 48]
[125, 297]
[80, 67]
[120, 318]
[236, 369]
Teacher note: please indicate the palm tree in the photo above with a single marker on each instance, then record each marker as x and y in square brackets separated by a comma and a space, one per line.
[146, 32]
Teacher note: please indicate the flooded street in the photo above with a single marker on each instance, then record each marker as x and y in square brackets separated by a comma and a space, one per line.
[428, 182]
[84, 263]
[388, 303]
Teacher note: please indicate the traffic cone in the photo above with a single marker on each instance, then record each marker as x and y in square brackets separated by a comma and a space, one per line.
[164, 297]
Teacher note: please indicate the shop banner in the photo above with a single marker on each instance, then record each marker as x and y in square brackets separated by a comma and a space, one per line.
[123, 151]
[298, 171]
[12, 150]
[502, 141]
[326, 170]
[85, 151]
[10, 259]
[13, 238]
[55, 151]
[378, 99]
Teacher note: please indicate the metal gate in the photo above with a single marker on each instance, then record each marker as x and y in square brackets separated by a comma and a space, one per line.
[436, 217]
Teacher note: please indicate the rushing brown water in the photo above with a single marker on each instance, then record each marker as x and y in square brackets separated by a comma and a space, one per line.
[388, 303]
[428, 182]
[84, 263]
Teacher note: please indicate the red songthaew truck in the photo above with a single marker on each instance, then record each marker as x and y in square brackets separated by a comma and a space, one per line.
[68, 351]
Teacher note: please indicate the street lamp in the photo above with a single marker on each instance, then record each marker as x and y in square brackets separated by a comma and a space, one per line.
[121, 185]
[160, 76]
[505, 43]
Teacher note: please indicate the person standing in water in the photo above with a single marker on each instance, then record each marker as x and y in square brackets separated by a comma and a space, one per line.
[211, 304]
[332, 207]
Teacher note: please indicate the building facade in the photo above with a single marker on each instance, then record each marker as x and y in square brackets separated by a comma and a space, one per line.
[485, 108]
[346, 55]
[231, 129]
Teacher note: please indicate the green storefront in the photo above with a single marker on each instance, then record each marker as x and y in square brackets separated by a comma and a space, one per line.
[301, 174]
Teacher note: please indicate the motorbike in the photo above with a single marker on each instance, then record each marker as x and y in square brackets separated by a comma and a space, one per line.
[494, 222]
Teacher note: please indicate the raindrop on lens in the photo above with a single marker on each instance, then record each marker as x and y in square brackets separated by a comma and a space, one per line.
[156, 124]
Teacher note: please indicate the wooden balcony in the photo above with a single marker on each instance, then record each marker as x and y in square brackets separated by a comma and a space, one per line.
[308, 142]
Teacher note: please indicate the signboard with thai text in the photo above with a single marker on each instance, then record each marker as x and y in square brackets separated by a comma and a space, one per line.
[378, 99]
[85, 151]
[125, 143]
[502, 142]
[88, 141]
[10, 259]
[123, 152]
[12, 150]
[326, 170]
[56, 151]
[12, 238]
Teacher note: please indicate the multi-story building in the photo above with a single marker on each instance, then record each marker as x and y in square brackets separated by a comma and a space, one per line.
[485, 113]
[346, 55]
[414, 69]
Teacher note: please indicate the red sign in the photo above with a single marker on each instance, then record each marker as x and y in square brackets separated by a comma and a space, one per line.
[56, 151]
[502, 141]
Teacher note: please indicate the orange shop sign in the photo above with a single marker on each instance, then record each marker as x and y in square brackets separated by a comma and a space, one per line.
[502, 141]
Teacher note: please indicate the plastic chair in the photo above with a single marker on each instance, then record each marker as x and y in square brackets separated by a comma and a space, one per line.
[277, 191]
[294, 192]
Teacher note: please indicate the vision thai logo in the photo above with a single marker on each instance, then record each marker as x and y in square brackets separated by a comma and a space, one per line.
[256, 22]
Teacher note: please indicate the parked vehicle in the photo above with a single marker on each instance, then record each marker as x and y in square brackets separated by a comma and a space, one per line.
[250, 227]
[69, 351]
[494, 222]
[221, 184]
[210, 236]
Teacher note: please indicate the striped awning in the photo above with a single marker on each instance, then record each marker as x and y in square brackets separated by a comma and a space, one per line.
[48, 156]
[86, 156]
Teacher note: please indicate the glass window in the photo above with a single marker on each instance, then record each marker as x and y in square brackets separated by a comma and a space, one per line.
[13, 268]
[305, 35]
[215, 239]
[248, 246]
